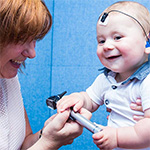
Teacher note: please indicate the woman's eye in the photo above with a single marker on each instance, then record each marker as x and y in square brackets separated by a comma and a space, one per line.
[117, 37]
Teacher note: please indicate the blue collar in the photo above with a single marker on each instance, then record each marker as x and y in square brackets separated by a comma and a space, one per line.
[140, 74]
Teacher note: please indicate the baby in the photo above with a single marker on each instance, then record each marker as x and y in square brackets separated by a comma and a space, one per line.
[123, 31]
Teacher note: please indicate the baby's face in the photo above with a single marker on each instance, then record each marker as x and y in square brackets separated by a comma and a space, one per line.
[121, 44]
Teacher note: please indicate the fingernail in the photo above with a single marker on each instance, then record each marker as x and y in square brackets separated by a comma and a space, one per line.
[138, 101]
[133, 105]
[135, 117]
[61, 110]
[75, 109]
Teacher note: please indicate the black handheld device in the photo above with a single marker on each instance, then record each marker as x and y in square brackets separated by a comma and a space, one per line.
[52, 102]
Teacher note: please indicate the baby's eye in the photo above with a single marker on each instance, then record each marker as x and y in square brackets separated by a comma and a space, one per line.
[117, 38]
[101, 41]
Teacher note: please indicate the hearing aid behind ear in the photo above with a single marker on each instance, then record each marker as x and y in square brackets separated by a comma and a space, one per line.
[103, 20]
[147, 43]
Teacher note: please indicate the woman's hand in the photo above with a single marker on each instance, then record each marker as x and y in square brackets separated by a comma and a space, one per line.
[137, 107]
[58, 130]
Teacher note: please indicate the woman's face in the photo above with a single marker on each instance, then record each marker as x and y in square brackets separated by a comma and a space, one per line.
[13, 55]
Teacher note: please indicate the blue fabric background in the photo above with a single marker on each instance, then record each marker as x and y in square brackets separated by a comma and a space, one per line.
[66, 60]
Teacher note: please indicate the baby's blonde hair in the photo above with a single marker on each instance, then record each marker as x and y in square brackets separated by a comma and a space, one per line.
[21, 20]
[134, 9]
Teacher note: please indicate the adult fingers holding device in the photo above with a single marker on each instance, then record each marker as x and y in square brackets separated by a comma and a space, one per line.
[52, 103]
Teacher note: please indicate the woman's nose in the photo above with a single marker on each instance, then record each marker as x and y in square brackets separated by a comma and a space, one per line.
[30, 50]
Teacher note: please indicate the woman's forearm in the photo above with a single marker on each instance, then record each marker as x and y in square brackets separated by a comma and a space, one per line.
[30, 140]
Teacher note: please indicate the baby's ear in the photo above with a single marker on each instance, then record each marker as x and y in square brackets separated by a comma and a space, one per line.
[147, 48]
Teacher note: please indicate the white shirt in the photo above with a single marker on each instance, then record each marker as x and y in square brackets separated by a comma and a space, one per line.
[12, 118]
[118, 97]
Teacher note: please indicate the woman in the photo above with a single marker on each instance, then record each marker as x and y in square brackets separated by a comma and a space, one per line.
[22, 23]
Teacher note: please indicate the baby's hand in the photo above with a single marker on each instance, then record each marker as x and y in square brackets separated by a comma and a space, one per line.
[74, 100]
[106, 139]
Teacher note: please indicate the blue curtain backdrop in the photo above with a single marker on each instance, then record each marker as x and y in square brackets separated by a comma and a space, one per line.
[65, 60]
